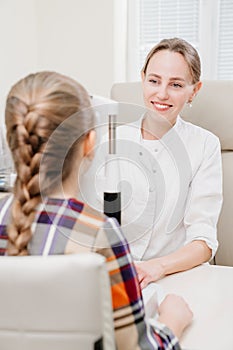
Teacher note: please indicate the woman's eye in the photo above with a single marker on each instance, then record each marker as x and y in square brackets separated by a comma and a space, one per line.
[153, 81]
[177, 85]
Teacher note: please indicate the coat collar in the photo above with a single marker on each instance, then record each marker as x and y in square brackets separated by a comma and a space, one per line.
[137, 125]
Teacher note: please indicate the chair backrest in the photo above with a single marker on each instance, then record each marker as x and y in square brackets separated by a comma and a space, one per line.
[55, 303]
[212, 109]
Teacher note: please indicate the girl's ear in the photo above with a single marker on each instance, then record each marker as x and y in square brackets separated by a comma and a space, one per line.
[89, 144]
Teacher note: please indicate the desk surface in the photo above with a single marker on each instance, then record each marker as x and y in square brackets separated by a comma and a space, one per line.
[208, 289]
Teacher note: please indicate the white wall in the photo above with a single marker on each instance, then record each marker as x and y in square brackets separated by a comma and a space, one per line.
[18, 46]
[74, 37]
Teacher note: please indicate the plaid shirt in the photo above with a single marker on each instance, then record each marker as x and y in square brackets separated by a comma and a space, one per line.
[69, 226]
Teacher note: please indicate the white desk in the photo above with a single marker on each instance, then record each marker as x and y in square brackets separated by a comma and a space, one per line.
[208, 289]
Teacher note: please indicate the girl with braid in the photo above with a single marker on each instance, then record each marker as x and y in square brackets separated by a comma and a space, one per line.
[50, 133]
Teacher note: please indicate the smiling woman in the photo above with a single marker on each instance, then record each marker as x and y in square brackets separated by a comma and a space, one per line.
[170, 221]
[183, 232]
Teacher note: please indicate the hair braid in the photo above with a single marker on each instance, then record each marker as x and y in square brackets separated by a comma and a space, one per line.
[36, 106]
[27, 157]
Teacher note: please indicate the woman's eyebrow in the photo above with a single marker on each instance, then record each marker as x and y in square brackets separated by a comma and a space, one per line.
[154, 75]
[177, 78]
[171, 79]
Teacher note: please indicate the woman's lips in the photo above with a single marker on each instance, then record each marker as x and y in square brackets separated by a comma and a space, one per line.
[161, 106]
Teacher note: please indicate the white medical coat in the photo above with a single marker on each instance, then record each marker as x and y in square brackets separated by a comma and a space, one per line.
[171, 188]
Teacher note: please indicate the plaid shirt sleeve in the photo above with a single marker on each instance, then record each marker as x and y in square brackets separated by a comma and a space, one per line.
[131, 330]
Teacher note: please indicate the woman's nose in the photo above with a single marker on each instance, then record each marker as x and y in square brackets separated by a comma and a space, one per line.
[162, 92]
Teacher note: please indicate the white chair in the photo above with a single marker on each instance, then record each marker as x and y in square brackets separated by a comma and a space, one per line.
[55, 303]
[213, 110]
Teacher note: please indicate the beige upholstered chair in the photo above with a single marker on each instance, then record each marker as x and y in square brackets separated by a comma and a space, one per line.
[55, 303]
[212, 109]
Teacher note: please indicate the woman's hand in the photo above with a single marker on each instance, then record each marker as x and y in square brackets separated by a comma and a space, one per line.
[149, 271]
[175, 313]
[184, 258]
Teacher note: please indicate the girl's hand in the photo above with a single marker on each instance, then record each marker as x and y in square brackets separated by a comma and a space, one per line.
[175, 313]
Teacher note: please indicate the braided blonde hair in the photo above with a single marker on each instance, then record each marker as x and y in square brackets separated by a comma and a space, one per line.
[36, 106]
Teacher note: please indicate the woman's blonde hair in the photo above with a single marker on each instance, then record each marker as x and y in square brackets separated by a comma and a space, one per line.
[181, 46]
[36, 106]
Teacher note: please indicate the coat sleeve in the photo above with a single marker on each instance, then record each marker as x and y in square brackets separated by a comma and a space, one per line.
[205, 201]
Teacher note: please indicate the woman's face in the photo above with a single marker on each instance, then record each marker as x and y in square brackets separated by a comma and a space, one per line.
[167, 84]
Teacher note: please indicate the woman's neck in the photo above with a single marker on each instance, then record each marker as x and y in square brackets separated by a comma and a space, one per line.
[154, 127]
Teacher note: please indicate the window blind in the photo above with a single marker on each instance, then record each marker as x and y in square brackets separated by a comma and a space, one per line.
[206, 24]
[160, 19]
[225, 41]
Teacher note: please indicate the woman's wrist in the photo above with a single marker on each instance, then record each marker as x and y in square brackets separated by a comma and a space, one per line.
[161, 262]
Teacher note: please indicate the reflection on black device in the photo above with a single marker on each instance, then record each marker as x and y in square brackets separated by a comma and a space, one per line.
[112, 205]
